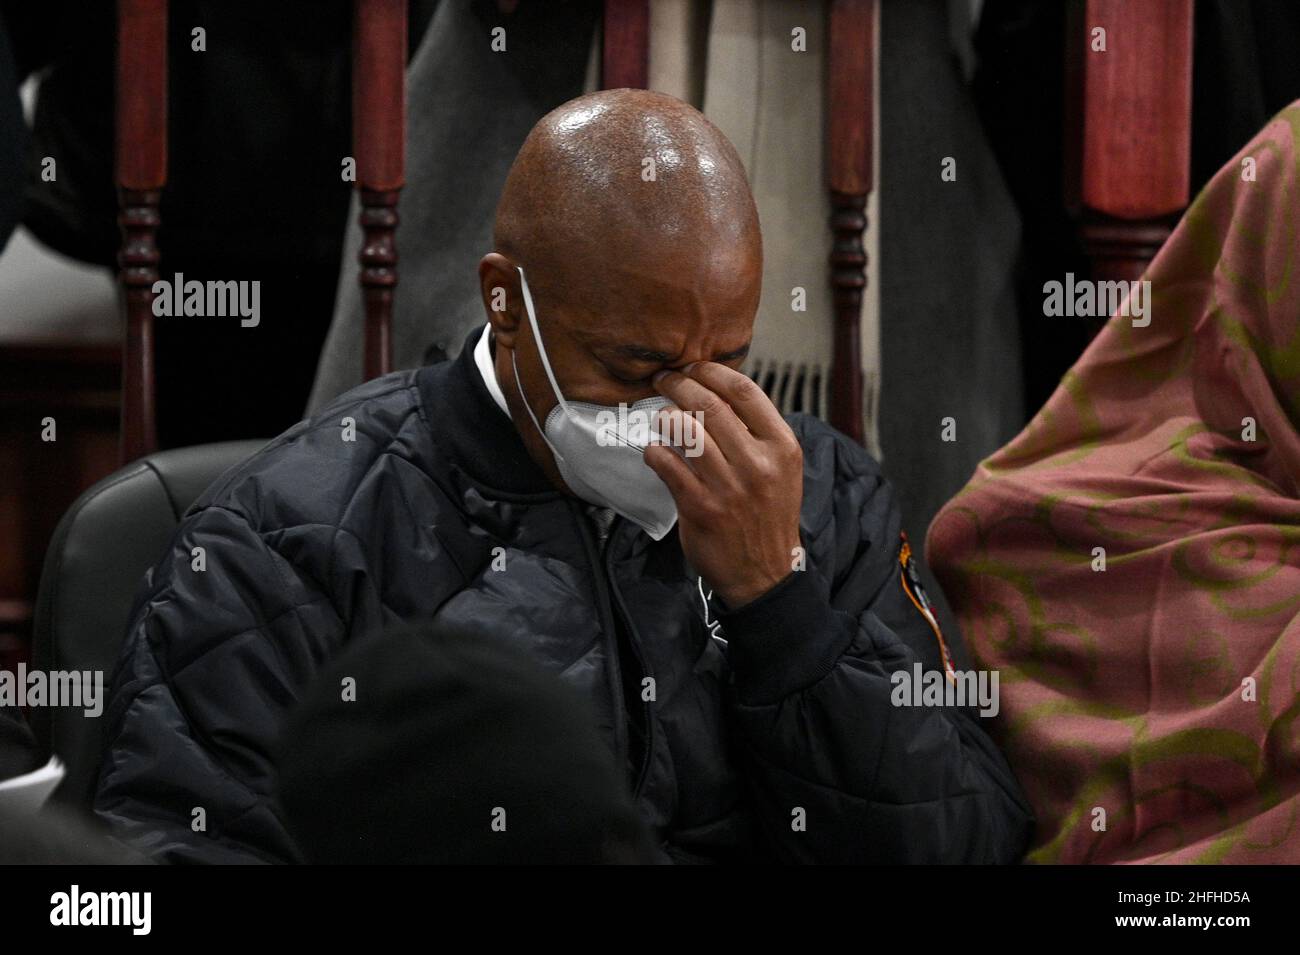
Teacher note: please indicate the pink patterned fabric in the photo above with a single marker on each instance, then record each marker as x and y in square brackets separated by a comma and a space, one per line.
[1129, 689]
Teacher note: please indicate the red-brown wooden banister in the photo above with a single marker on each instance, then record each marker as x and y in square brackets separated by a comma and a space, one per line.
[1128, 128]
[140, 161]
[379, 141]
[849, 161]
[625, 51]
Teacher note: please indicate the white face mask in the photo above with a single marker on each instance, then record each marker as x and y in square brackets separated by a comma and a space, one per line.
[601, 462]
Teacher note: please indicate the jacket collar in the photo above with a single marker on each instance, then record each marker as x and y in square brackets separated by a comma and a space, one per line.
[466, 423]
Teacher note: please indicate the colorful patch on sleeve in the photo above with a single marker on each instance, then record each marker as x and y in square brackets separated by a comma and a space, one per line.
[911, 581]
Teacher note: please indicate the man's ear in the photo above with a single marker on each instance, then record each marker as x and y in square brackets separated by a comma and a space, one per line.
[502, 299]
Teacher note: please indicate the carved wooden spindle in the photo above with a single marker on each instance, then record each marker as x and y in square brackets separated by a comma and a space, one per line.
[379, 141]
[137, 261]
[141, 171]
[849, 156]
[378, 276]
[848, 282]
[625, 54]
[1121, 250]
[1129, 129]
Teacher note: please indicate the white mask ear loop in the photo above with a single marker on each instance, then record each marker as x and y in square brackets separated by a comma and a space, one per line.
[541, 349]
[528, 304]
[529, 408]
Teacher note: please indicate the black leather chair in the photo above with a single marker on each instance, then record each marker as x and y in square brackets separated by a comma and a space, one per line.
[111, 535]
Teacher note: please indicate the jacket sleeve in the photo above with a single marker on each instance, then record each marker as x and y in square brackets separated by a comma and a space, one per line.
[220, 643]
[836, 771]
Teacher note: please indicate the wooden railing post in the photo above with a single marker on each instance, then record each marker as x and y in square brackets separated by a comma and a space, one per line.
[1128, 128]
[379, 141]
[849, 155]
[625, 50]
[141, 171]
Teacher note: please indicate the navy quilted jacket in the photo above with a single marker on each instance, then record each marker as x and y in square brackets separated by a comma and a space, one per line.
[771, 738]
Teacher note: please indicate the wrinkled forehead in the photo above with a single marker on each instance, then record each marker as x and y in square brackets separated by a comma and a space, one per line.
[663, 303]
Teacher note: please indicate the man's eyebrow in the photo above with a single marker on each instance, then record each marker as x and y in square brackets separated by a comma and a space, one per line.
[641, 353]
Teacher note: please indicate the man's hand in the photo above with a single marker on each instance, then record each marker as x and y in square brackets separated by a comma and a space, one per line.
[737, 501]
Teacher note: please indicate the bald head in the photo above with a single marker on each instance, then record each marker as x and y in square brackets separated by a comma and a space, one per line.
[626, 175]
[631, 216]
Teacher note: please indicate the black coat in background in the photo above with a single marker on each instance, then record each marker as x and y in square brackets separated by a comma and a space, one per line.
[258, 125]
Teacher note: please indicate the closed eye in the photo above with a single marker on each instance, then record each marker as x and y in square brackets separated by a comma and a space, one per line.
[627, 380]
[658, 360]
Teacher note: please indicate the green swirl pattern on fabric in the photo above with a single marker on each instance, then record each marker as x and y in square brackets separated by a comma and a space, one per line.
[1160, 694]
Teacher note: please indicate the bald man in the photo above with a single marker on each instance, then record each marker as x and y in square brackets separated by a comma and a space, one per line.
[594, 481]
